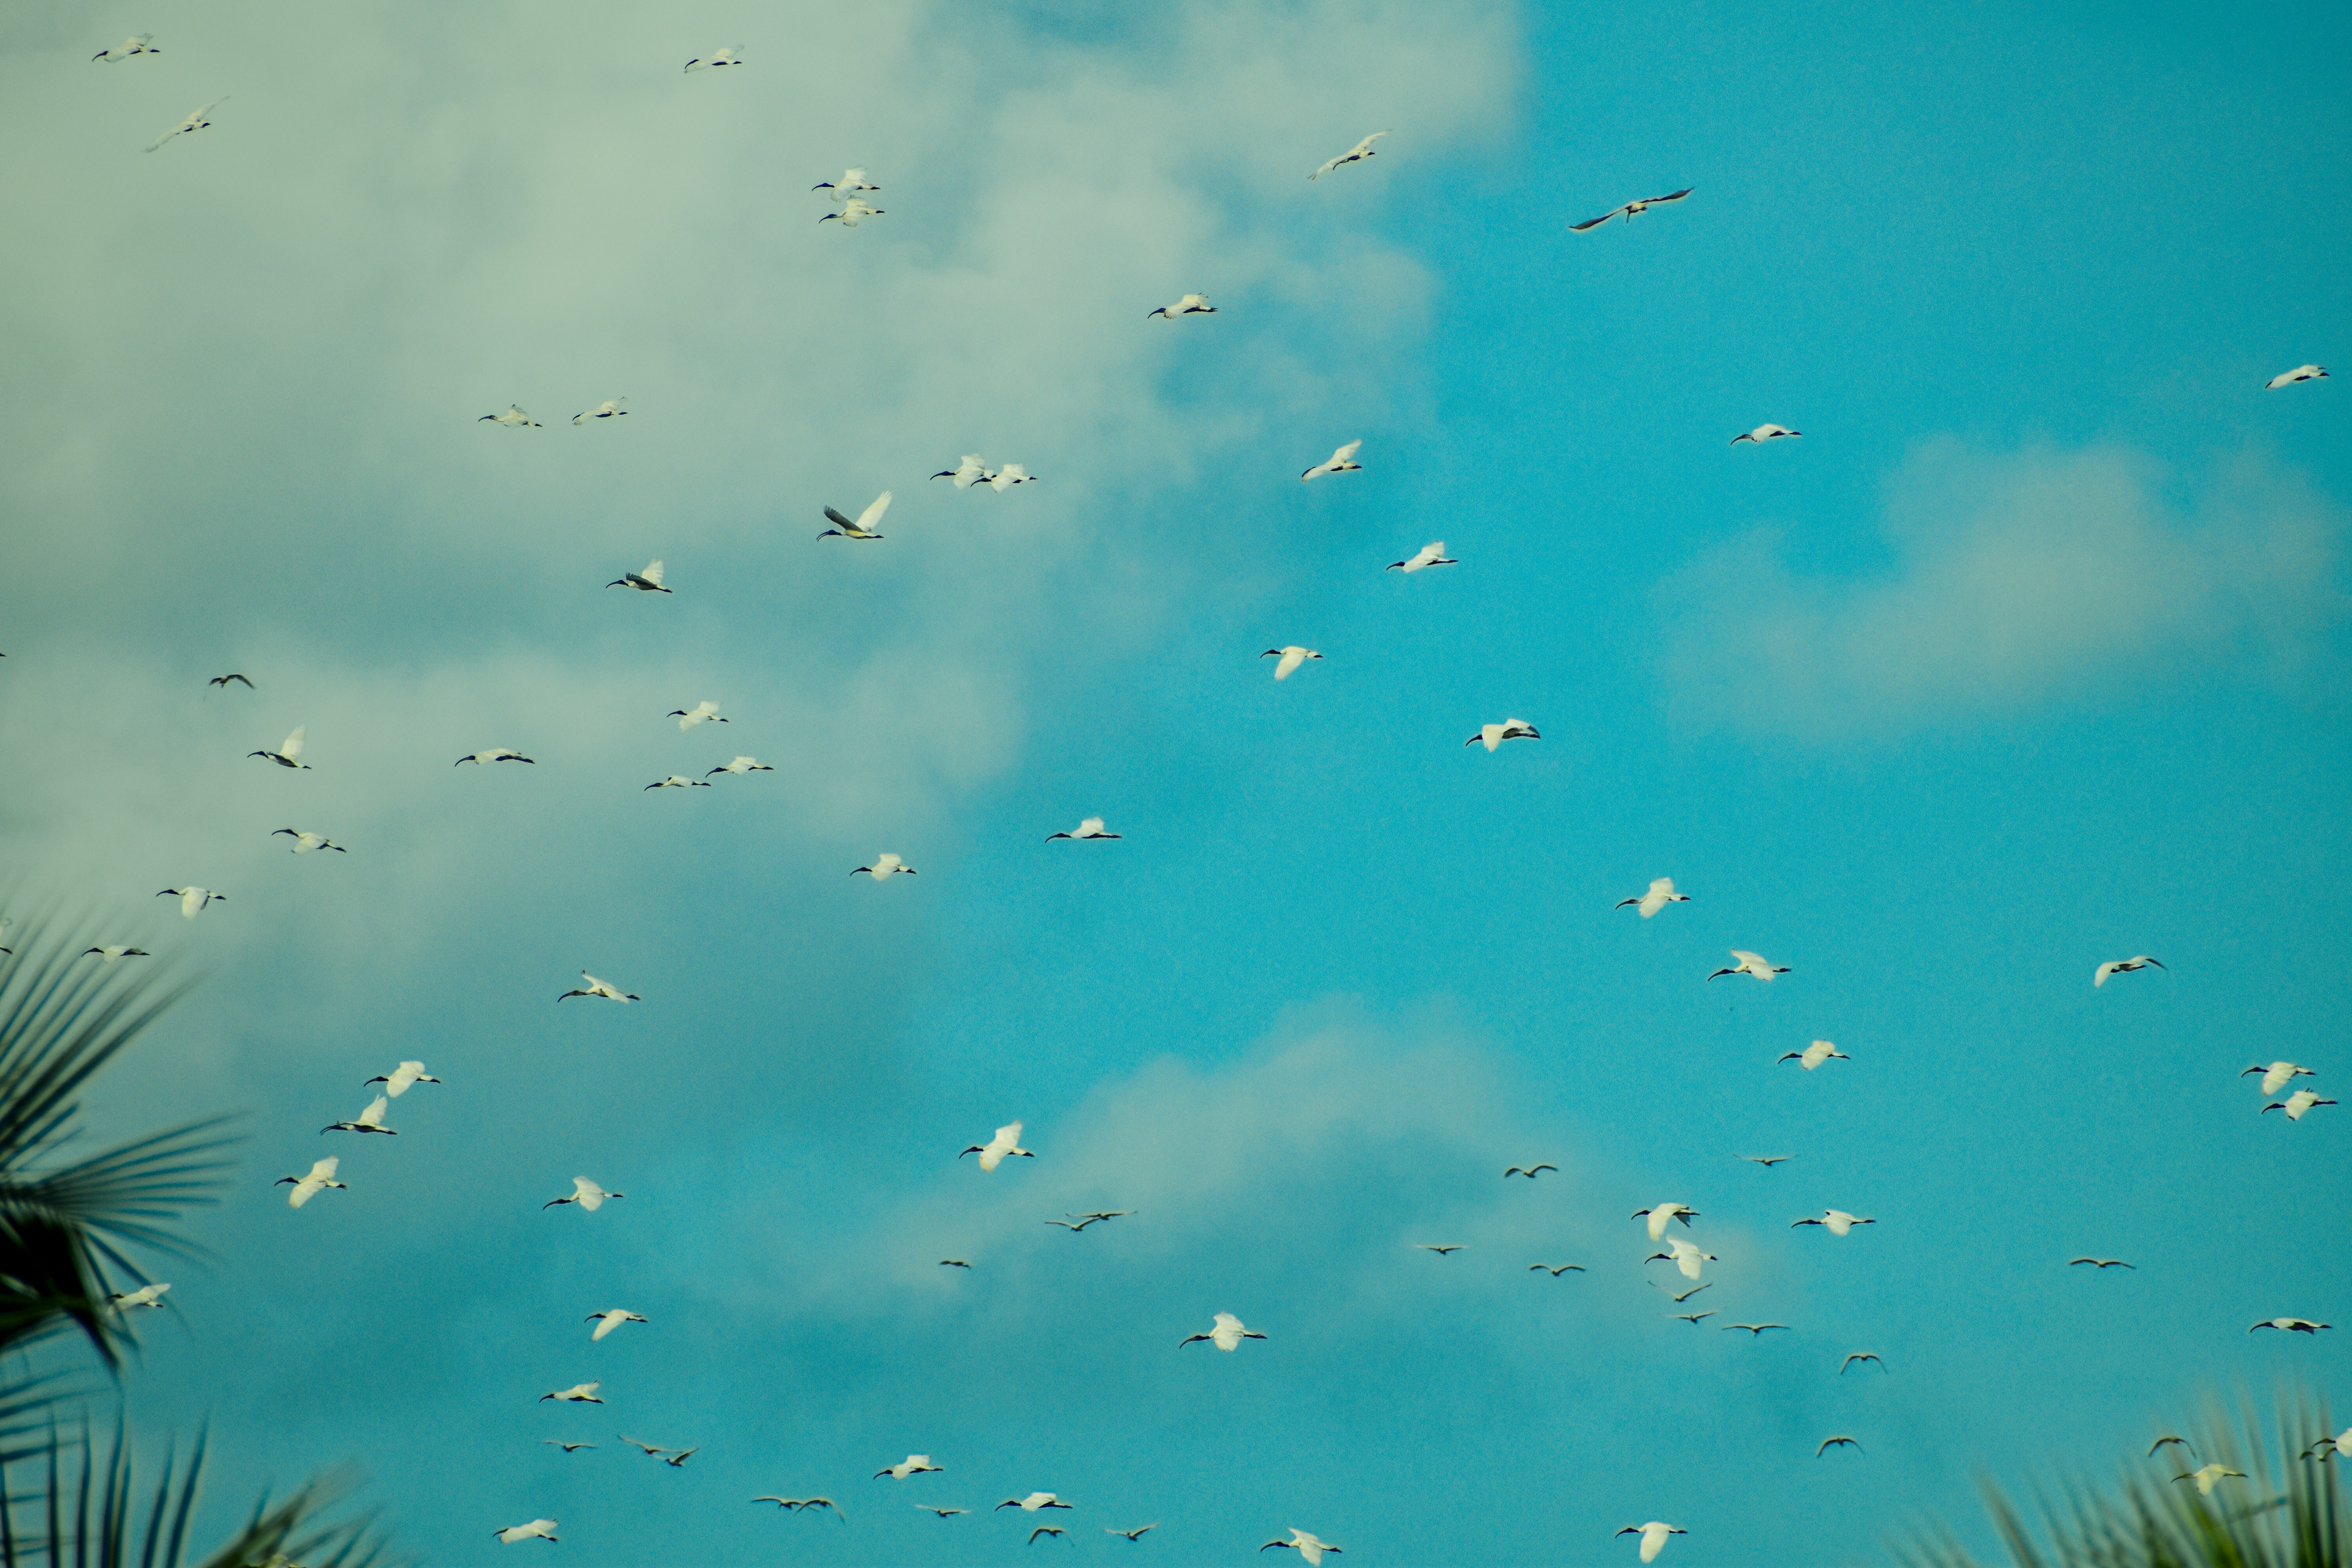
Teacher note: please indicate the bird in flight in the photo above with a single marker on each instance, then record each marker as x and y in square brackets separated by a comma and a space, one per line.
[1342, 460]
[1190, 305]
[1430, 554]
[223, 680]
[1032, 1503]
[934, 1508]
[1653, 1537]
[1494, 736]
[1662, 893]
[567, 1448]
[609, 409]
[912, 1465]
[2292, 1325]
[1526, 1171]
[1767, 1160]
[1305, 1543]
[289, 753]
[953, 1263]
[110, 953]
[1355, 154]
[1763, 433]
[1814, 1055]
[306, 1187]
[2098, 1262]
[1837, 1221]
[536, 1529]
[1441, 1251]
[885, 866]
[704, 710]
[306, 842]
[718, 60]
[1861, 1355]
[2337, 1448]
[194, 123]
[970, 471]
[852, 210]
[586, 1194]
[2289, 377]
[578, 1394]
[495, 755]
[1098, 1215]
[1226, 1336]
[596, 987]
[652, 1450]
[1292, 658]
[1684, 1296]
[193, 898]
[1555, 1269]
[1135, 1535]
[145, 1296]
[368, 1121]
[863, 527]
[2296, 1104]
[851, 183]
[2121, 966]
[1756, 1330]
[1631, 210]
[514, 418]
[607, 1320]
[1829, 1443]
[678, 781]
[2208, 1476]
[647, 581]
[1691, 1317]
[1006, 1144]
[1092, 828]
[1754, 963]
[2166, 1441]
[1684, 1256]
[2277, 1074]
[1659, 1214]
[1054, 1529]
[790, 1504]
[138, 43]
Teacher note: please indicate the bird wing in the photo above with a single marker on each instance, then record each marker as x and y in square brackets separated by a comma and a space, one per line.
[873, 514]
[374, 1115]
[1676, 196]
[1092, 825]
[324, 1170]
[1346, 454]
[1009, 1134]
[293, 745]
[1596, 222]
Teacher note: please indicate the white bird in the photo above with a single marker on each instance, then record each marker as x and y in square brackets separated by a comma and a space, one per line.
[2296, 1104]
[964, 475]
[1653, 1537]
[1092, 828]
[1355, 154]
[110, 953]
[609, 1319]
[1658, 1214]
[2277, 1074]
[1684, 1256]
[1814, 1055]
[1836, 1221]
[1494, 736]
[495, 755]
[2208, 1476]
[1754, 963]
[1631, 210]
[144, 44]
[586, 1194]
[718, 60]
[609, 409]
[145, 1296]
[305, 842]
[190, 126]
[2337, 1448]
[1005, 478]
[289, 753]
[2121, 966]
[401, 1079]
[536, 1529]
[2289, 377]
[1190, 305]
[578, 1394]
[851, 181]
[863, 527]
[1341, 460]
[678, 781]
[1662, 893]
[1034, 1503]
[739, 767]
[1305, 1543]
[912, 1465]
[1292, 658]
[1763, 433]
[1005, 1145]
[1226, 1336]
[193, 898]
[306, 1187]
[688, 718]
[2292, 1325]
[514, 418]
[1430, 554]
[885, 866]
[601, 989]
[368, 1121]
[855, 208]
[648, 581]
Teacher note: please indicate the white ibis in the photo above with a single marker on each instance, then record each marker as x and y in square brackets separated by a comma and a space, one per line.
[1092, 828]
[1692, 1319]
[1355, 154]
[1837, 1221]
[514, 418]
[1767, 1160]
[647, 581]
[1871, 1356]
[1754, 963]
[193, 898]
[599, 988]
[578, 1394]
[1494, 736]
[852, 181]
[1442, 1249]
[1034, 1503]
[495, 755]
[1684, 1256]
[1763, 433]
[912, 1465]
[851, 211]
[1814, 1055]
[1135, 1535]
[1662, 893]
[965, 474]
[222, 682]
[2208, 1476]
[2098, 1263]
[718, 60]
[368, 1121]
[1342, 461]
[741, 767]
[1430, 554]
[1555, 1269]
[1757, 1331]
[109, 953]
[586, 1194]
[2122, 966]
[863, 527]
[1653, 1537]
[194, 123]
[2289, 377]
[607, 1320]
[401, 1079]
[136, 44]
[609, 409]
[145, 1296]
[933, 1508]
[1190, 305]
[1630, 211]
[1658, 1214]
[1226, 1336]
[289, 753]
[536, 1530]
[1304, 1542]
[2292, 1325]
[2296, 1105]
[1526, 1171]
[885, 867]
[2277, 1076]
[704, 711]
[678, 780]
[304, 842]
[321, 1177]
[1005, 1145]
[1291, 658]
[1005, 478]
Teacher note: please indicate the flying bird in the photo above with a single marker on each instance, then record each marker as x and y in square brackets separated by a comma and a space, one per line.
[1135, 1535]
[514, 418]
[1653, 1537]
[1005, 478]
[912, 1465]
[144, 44]
[567, 1448]
[2289, 377]
[145, 1296]
[368, 1121]
[110, 953]
[792, 1504]
[596, 987]
[1861, 1355]
[586, 1194]
[1690, 1318]
[718, 60]
[1355, 154]
[1305, 1543]
[2098, 1262]
[863, 527]
[609, 1319]
[1763, 433]
[1291, 658]
[1032, 1503]
[609, 409]
[1756, 1330]
[2121, 966]
[1754, 963]
[1838, 1221]
[1226, 1336]
[536, 1529]
[1555, 1269]
[885, 867]
[1342, 461]
[1092, 828]
[2337, 1448]
[223, 680]
[1190, 305]
[306, 1187]
[1767, 1160]
[401, 1079]
[1494, 736]
[997, 1150]
[953, 1263]
[2208, 1476]
[1430, 554]
[852, 181]
[2296, 1104]
[495, 755]
[1829, 1443]
[1631, 211]
[2277, 1074]
[688, 718]
[678, 780]
[289, 753]
[852, 210]
[306, 842]
[1098, 1216]
[1814, 1055]
[194, 899]
[1658, 1214]
[1054, 1529]
[1441, 1251]
[1683, 1296]
[934, 1508]
[1662, 893]
[2292, 1325]
[653, 1450]
[1526, 1171]
[741, 767]
[967, 473]
[190, 126]
[648, 581]
[578, 1394]
[1684, 1256]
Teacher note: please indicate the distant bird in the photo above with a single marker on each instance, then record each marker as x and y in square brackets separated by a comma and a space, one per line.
[1526, 1171]
[1631, 211]
[1342, 461]
[1054, 1529]
[607, 1320]
[885, 867]
[2292, 1325]
[1092, 828]
[1683, 1296]
[586, 1194]
[653, 1450]
[2296, 1104]
[851, 211]
[678, 780]
[1684, 1256]
[1814, 1055]
[495, 755]
[1829, 1443]
[145, 1296]
[2289, 377]
[1767, 1160]
[741, 767]
[1555, 1269]
[599, 988]
[942, 1512]
[1226, 1336]
[289, 753]
[578, 1394]
[1032, 1503]
[223, 680]
[793, 1504]
[852, 181]
[2121, 966]
[1005, 1145]
[1135, 1535]
[1441, 1251]
[1658, 1214]
[2167, 1440]
[1291, 658]
[144, 44]
[1355, 154]
[2098, 1262]
[2337, 1448]
[912, 1465]
[1662, 893]
[368, 1121]
[306, 1187]
[863, 527]
[514, 418]
[194, 899]
[647, 580]
[2277, 1074]
[1754, 963]
[1305, 1543]
[1494, 736]
[718, 59]
[306, 842]
[609, 409]
[536, 1529]
[1838, 1221]
[194, 123]
[1005, 478]
[1098, 1216]
[1653, 1537]
[676, 1458]
[1763, 433]
[1691, 1317]
[688, 718]
[965, 474]
[1861, 1355]
[110, 953]
[953, 1263]
[1430, 554]
[1756, 1330]
[567, 1448]
[1190, 305]
[2208, 1476]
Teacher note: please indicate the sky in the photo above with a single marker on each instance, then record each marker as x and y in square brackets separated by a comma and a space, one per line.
[2030, 652]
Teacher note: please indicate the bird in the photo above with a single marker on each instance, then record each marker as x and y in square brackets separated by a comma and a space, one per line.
[306, 842]
[1135, 1535]
[194, 899]
[1653, 1537]
[1441, 1251]
[145, 1296]
[1691, 1317]
[912, 1465]
[2277, 1074]
[1754, 963]
[495, 755]
[1767, 1160]
[1861, 1355]
[596, 987]
[194, 123]
[1555, 1269]
[144, 44]
[741, 767]
[1829, 1443]
[2337, 1448]
[1190, 305]
[1305, 1543]
[852, 210]
[2292, 1325]
[678, 780]
[1526, 1171]
[851, 181]
[718, 60]
[1092, 828]
[1098, 1216]
[1006, 1144]
[586, 1194]
[1430, 554]
[307, 1186]
[2208, 1476]
[110, 953]
[1684, 1256]
[1342, 460]
[1494, 736]
[1291, 658]
[2296, 1104]
[608, 1319]
[934, 1508]
[578, 1394]
[1756, 1330]
[885, 867]
[966, 473]
[1838, 1221]
[1032, 1503]
[2289, 377]
[536, 1529]
[651, 1449]
[1814, 1055]
[514, 418]
[1659, 1214]
[953, 1263]
[675, 1458]
[223, 680]
[609, 409]
[368, 1121]
[2167, 1440]
[567, 1448]
[790, 1504]
[863, 527]
[1683, 1296]
[1005, 478]
[1226, 1336]
[1046, 1529]
[2121, 966]
[1763, 433]
[1631, 211]
[289, 753]
[1355, 154]
[1662, 893]
[648, 581]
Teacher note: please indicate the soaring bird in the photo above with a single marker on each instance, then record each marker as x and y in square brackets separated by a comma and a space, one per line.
[740, 766]
[1092, 828]
[851, 183]
[194, 899]
[1631, 211]
[652, 1450]
[578, 1394]
[1763, 433]
[1829, 1443]
[306, 1187]
[863, 527]
[194, 123]
[1662, 893]
[953, 1263]
[1494, 736]
[1355, 154]
[678, 780]
[514, 418]
[2208, 1476]
[1226, 1336]
[1681, 1296]
[289, 753]
[1135, 1535]
[567, 1448]
[586, 1194]
[495, 755]
[305, 842]
[885, 866]
[2277, 1074]
[912, 1465]
[647, 580]
[1658, 1214]
[223, 680]
[1430, 554]
[1305, 1543]
[2289, 377]
[2169, 1440]
[1526, 1171]
[1684, 1256]
[1814, 1055]
[1342, 460]
[368, 1121]
[1861, 1355]
[1034, 1503]
[1754, 963]
[718, 60]
[1005, 478]
[1053, 1530]
[934, 1508]
[1838, 1221]
[2122, 966]
[967, 473]
[2292, 1325]
[609, 409]
[536, 1529]
[1690, 1318]
[1098, 1215]
[1555, 1269]
[144, 44]
[851, 211]
[596, 987]
[2296, 1104]
[2097, 1262]
[1446, 1249]
[608, 1319]
[1004, 1145]
[145, 1296]
[793, 1504]
[1653, 1537]
[1767, 1160]
[688, 718]
[1190, 305]
[110, 953]
[1756, 1330]
[1292, 658]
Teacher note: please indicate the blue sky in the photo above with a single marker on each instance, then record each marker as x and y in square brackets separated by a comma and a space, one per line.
[2030, 653]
